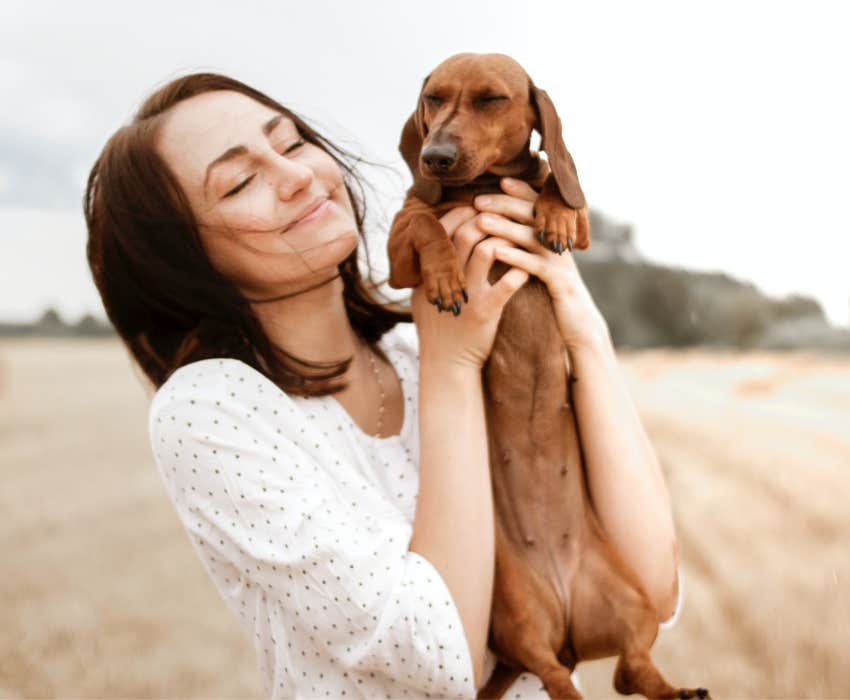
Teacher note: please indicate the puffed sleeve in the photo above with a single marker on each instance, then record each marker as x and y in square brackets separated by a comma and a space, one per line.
[256, 486]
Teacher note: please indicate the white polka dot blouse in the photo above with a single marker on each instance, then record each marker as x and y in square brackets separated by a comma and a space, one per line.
[303, 522]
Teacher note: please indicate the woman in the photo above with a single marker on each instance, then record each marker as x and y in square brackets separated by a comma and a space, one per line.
[330, 466]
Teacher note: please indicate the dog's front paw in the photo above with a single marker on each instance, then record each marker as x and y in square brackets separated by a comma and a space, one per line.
[442, 277]
[558, 227]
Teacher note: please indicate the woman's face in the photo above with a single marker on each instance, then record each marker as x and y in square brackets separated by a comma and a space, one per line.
[272, 210]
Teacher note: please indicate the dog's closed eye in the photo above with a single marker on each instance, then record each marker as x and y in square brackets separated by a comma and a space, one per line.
[484, 101]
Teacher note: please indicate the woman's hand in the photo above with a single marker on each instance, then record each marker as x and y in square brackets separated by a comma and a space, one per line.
[468, 338]
[509, 216]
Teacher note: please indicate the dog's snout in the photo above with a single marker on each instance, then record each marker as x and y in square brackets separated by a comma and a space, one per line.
[440, 157]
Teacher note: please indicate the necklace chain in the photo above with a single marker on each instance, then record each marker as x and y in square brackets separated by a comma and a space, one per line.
[380, 391]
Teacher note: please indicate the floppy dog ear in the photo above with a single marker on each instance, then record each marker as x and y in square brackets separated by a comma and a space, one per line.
[560, 160]
[412, 136]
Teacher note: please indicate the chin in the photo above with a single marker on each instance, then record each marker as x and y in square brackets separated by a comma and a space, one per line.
[332, 253]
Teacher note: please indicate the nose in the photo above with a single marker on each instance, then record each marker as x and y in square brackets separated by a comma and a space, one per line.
[440, 157]
[292, 177]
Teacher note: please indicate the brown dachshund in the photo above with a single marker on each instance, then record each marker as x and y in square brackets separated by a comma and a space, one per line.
[562, 593]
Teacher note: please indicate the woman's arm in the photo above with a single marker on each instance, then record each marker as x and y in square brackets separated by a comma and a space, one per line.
[453, 527]
[626, 484]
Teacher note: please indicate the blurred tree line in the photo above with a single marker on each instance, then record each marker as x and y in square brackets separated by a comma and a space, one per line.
[50, 324]
[648, 305]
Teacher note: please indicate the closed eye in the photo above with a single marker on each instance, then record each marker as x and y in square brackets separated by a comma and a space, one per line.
[238, 187]
[293, 146]
[435, 100]
[242, 185]
[487, 100]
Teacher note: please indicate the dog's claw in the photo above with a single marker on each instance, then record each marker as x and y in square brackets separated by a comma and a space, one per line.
[570, 244]
[456, 308]
[699, 692]
[559, 247]
[541, 236]
[465, 295]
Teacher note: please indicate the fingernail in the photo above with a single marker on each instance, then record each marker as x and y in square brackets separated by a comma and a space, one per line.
[484, 200]
[488, 220]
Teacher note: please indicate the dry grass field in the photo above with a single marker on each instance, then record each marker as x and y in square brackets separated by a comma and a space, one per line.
[103, 596]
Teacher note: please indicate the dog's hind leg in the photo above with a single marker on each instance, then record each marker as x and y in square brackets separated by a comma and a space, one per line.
[612, 615]
[635, 673]
[501, 679]
[556, 678]
[540, 660]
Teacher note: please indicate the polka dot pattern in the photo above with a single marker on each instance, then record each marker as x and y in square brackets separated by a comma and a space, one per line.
[303, 522]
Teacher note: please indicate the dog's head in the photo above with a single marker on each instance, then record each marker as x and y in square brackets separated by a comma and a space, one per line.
[475, 113]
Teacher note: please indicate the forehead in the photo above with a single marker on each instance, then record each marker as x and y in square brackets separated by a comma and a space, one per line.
[201, 128]
[478, 72]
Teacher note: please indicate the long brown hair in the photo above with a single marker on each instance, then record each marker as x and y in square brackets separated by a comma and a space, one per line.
[165, 299]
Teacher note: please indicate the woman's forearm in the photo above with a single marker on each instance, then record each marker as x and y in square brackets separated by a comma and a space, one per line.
[453, 527]
[625, 480]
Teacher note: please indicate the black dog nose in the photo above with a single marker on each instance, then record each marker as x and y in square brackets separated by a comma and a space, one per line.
[439, 157]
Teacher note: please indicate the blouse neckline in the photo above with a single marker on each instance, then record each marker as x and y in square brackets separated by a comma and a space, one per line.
[390, 352]
[389, 344]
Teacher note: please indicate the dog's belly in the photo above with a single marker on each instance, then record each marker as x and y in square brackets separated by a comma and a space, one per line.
[535, 456]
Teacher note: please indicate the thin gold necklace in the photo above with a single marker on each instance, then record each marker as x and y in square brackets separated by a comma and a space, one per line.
[380, 391]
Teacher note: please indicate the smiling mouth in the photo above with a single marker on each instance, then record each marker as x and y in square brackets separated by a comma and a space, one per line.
[315, 210]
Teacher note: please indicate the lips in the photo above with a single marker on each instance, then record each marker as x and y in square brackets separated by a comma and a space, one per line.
[306, 212]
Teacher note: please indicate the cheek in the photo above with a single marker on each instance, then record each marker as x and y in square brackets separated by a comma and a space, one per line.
[325, 169]
[329, 173]
[254, 260]
[519, 135]
[252, 211]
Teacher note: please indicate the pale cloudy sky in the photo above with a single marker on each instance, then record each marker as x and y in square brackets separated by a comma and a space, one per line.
[719, 129]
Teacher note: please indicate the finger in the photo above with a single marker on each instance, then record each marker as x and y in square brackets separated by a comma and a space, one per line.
[515, 208]
[531, 263]
[467, 236]
[509, 283]
[482, 259]
[560, 279]
[456, 217]
[518, 188]
[519, 234]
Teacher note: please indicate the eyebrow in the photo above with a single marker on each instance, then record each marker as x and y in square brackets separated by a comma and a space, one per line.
[240, 150]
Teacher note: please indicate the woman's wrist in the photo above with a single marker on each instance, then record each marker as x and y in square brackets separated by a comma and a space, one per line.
[595, 340]
[448, 365]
